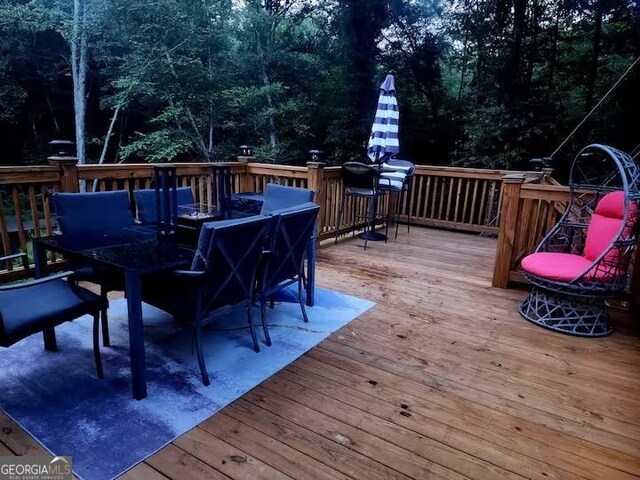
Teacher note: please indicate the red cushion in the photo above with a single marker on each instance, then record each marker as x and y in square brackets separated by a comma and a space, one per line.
[562, 267]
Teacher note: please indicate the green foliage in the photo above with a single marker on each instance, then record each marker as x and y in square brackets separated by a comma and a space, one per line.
[480, 83]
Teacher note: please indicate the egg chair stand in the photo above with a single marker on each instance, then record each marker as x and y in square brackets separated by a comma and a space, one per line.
[584, 260]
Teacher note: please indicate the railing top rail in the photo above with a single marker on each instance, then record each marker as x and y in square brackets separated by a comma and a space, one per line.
[268, 166]
[129, 170]
[545, 188]
[29, 174]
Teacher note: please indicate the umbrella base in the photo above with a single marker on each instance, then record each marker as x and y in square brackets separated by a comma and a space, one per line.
[373, 236]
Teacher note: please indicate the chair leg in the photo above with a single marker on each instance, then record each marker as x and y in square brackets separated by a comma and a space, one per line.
[106, 340]
[386, 226]
[263, 318]
[353, 217]
[408, 194]
[368, 227]
[398, 210]
[301, 301]
[254, 337]
[105, 319]
[340, 211]
[200, 354]
[97, 357]
[50, 343]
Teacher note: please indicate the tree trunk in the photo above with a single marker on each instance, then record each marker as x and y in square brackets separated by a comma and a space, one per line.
[273, 133]
[513, 74]
[56, 125]
[465, 55]
[595, 54]
[553, 57]
[105, 147]
[79, 64]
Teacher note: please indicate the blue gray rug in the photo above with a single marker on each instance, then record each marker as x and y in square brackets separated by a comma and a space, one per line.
[57, 398]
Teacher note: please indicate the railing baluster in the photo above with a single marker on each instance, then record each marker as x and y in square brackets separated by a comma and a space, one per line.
[4, 232]
[458, 194]
[472, 208]
[15, 195]
[35, 217]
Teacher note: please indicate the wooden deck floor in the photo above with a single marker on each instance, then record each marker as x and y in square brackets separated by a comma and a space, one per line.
[441, 380]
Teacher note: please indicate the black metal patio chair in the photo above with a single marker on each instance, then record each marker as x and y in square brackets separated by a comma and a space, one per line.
[283, 264]
[360, 180]
[585, 258]
[397, 177]
[222, 277]
[40, 305]
[91, 213]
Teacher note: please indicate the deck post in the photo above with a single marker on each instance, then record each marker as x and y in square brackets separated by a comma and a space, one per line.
[317, 184]
[509, 221]
[68, 167]
[246, 180]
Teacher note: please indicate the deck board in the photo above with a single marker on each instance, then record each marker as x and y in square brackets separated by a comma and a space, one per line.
[441, 379]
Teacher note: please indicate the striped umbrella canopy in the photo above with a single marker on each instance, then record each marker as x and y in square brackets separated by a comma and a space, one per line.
[384, 133]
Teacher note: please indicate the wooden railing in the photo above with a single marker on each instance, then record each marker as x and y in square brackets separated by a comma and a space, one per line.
[454, 198]
[529, 212]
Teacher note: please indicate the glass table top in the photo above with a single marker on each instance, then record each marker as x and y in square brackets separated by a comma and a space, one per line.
[136, 248]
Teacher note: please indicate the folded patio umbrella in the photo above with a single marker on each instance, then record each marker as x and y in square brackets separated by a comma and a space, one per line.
[384, 133]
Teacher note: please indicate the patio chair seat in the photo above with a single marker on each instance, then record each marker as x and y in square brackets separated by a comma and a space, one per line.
[31, 309]
[563, 267]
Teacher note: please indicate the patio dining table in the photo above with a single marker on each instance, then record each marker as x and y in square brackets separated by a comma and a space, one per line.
[135, 252]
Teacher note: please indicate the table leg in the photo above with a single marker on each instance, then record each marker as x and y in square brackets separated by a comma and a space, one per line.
[136, 335]
[311, 271]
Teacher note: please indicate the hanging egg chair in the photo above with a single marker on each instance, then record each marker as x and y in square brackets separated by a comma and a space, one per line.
[584, 259]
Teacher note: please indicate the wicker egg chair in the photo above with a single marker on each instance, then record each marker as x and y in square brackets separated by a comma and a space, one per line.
[584, 259]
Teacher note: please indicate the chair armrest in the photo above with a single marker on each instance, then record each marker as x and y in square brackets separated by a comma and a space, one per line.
[188, 273]
[38, 281]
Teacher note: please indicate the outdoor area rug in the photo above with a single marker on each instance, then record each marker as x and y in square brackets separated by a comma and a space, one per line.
[57, 398]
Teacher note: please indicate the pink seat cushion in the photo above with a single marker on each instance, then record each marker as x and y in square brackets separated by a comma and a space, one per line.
[604, 227]
[562, 267]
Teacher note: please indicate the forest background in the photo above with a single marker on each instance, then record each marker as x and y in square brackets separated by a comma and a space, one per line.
[483, 83]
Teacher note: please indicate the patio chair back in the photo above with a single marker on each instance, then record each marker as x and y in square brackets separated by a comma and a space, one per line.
[146, 204]
[229, 253]
[291, 232]
[278, 197]
[358, 176]
[92, 212]
[398, 174]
